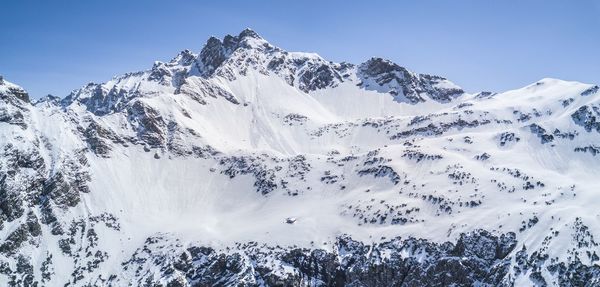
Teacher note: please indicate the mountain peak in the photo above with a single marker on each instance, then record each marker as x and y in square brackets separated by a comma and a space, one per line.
[376, 65]
[216, 51]
[386, 76]
[8, 89]
[246, 38]
[185, 57]
[249, 33]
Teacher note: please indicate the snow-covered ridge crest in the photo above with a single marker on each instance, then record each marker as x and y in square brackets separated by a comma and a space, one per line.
[234, 56]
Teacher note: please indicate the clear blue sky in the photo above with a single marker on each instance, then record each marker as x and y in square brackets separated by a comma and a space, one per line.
[56, 46]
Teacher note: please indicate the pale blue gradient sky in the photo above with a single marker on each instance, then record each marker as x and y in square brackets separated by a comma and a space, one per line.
[56, 46]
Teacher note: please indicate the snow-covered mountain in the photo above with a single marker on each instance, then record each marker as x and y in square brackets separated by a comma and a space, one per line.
[247, 165]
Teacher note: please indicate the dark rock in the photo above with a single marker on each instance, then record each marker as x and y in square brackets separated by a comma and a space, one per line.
[590, 91]
[588, 117]
[477, 258]
[404, 85]
[61, 191]
[541, 133]
[148, 124]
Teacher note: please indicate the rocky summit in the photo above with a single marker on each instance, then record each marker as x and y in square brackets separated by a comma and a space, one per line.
[247, 165]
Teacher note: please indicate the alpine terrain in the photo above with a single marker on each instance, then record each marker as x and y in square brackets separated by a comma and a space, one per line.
[248, 165]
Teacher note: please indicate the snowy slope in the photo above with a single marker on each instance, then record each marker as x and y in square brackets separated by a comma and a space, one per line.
[245, 164]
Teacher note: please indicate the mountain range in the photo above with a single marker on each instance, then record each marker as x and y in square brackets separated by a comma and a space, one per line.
[248, 165]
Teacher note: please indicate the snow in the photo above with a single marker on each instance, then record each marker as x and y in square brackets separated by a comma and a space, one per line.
[183, 196]
[190, 197]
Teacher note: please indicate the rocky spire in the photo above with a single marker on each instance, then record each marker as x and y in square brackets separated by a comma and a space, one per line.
[216, 51]
[249, 33]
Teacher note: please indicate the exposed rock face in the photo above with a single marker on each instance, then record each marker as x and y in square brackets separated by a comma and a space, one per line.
[149, 125]
[591, 91]
[11, 92]
[588, 117]
[13, 104]
[478, 257]
[383, 75]
[99, 101]
[541, 133]
[216, 52]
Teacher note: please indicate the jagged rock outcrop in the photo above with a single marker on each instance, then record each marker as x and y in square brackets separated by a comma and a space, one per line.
[478, 257]
[385, 76]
